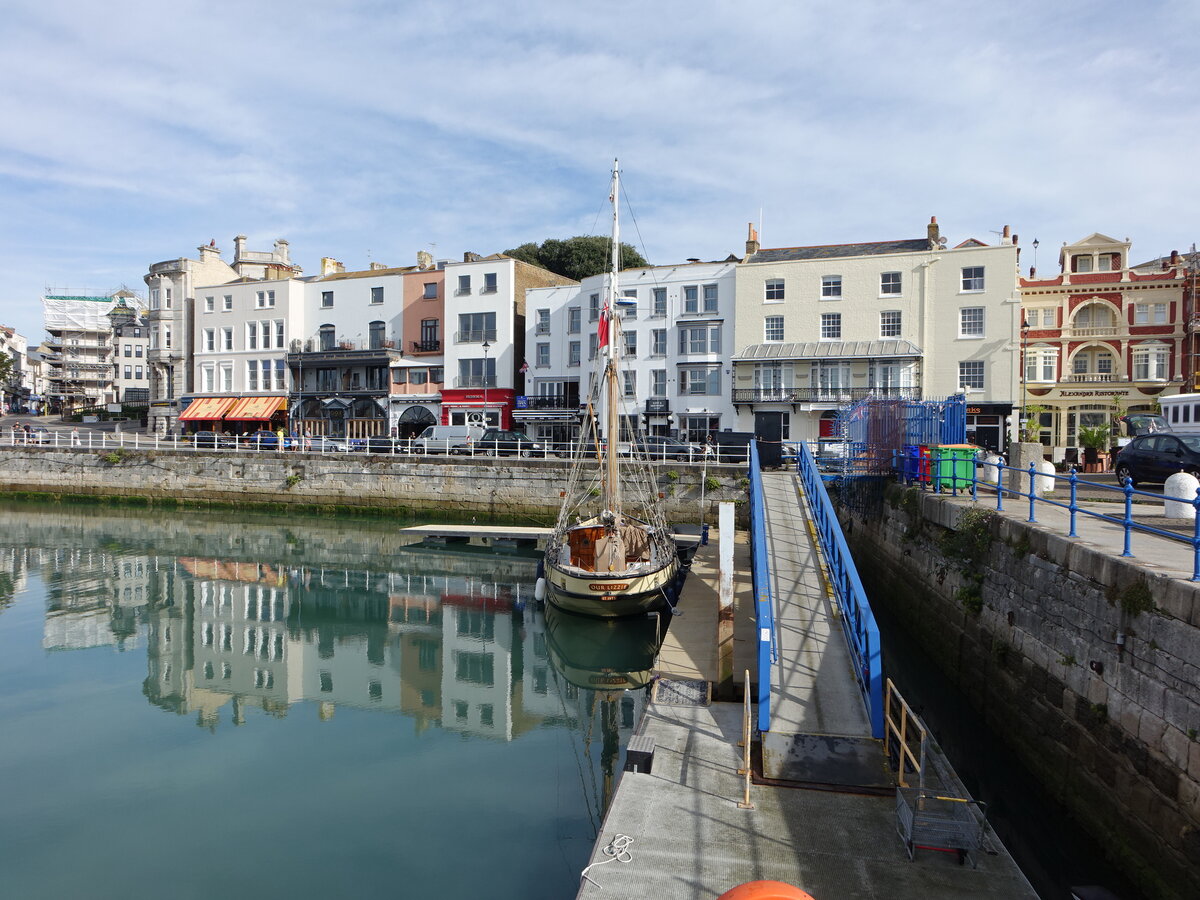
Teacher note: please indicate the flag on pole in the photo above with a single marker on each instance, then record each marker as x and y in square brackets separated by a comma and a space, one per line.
[603, 332]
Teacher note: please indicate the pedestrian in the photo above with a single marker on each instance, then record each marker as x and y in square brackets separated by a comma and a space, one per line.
[75, 441]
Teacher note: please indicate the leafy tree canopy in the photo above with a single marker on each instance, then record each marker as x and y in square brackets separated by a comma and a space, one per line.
[576, 257]
[6, 368]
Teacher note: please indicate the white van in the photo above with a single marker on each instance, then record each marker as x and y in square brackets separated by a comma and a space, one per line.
[447, 439]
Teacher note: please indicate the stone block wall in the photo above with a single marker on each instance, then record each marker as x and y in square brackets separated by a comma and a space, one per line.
[1086, 664]
[449, 487]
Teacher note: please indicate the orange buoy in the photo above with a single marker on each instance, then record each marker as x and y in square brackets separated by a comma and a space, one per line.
[765, 890]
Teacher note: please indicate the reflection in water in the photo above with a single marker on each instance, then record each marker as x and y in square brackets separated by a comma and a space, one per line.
[240, 623]
[606, 659]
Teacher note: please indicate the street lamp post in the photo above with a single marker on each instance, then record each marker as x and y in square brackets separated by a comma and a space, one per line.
[486, 347]
[1024, 374]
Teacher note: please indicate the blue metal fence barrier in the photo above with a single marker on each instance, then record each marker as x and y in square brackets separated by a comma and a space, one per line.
[764, 609]
[994, 480]
[858, 621]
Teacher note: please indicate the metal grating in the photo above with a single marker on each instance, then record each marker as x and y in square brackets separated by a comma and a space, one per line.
[683, 692]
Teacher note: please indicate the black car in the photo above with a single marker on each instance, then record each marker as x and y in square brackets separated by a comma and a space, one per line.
[1156, 457]
[500, 442]
[380, 444]
[657, 446]
[213, 439]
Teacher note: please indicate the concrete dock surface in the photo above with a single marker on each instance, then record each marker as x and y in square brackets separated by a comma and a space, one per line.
[678, 831]
[690, 839]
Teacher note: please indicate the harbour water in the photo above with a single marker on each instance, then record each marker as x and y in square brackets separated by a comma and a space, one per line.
[208, 704]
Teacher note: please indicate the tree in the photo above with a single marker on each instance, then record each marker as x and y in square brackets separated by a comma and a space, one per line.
[6, 368]
[576, 257]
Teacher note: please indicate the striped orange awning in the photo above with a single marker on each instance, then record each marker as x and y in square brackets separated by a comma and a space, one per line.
[207, 408]
[257, 408]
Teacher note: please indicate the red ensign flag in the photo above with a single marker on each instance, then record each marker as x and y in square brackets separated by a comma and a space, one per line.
[603, 327]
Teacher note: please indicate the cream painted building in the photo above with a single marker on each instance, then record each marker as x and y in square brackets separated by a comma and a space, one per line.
[818, 328]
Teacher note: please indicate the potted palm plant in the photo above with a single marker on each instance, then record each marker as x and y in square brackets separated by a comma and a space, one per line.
[1093, 439]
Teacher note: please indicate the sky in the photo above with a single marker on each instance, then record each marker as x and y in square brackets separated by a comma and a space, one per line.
[133, 131]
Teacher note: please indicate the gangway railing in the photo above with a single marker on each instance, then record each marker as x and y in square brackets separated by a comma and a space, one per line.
[764, 608]
[858, 621]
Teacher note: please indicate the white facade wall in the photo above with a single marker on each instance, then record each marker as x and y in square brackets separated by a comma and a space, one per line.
[222, 349]
[924, 289]
[131, 359]
[351, 303]
[670, 300]
[487, 289]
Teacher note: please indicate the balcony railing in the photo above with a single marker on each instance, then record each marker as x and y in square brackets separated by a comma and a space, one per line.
[1094, 377]
[475, 381]
[426, 346]
[822, 394]
[1090, 331]
[475, 337]
[549, 401]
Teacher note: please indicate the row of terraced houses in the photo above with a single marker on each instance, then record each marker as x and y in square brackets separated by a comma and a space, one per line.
[773, 342]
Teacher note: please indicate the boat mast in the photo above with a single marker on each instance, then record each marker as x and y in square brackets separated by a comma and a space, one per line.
[612, 484]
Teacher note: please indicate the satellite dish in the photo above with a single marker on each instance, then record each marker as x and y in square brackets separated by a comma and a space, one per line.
[941, 242]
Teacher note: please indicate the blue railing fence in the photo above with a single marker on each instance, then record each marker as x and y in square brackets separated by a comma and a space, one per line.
[858, 621]
[954, 476]
[764, 607]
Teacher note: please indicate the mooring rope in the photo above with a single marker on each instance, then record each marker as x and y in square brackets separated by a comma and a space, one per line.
[617, 850]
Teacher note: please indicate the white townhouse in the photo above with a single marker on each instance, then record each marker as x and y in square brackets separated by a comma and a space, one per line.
[819, 328]
[341, 363]
[173, 311]
[485, 351]
[242, 332]
[677, 336]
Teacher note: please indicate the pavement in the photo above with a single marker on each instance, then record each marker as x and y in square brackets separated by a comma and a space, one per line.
[681, 831]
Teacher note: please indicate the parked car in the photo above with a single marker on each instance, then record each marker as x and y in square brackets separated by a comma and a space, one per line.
[657, 446]
[447, 439]
[322, 444]
[381, 444]
[1156, 457]
[501, 442]
[213, 439]
[267, 440]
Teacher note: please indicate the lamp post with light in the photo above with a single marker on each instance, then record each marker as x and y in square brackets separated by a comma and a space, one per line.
[486, 346]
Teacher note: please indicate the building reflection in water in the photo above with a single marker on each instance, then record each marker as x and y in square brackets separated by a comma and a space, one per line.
[267, 617]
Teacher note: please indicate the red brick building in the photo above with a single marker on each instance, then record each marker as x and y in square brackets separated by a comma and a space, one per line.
[1102, 338]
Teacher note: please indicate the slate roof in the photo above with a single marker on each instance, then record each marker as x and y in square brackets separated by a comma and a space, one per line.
[830, 350]
[834, 251]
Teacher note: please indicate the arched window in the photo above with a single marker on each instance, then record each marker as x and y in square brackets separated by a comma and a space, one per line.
[327, 334]
[1092, 363]
[377, 332]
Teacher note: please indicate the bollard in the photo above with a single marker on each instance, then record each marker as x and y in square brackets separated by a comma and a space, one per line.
[1044, 482]
[1178, 493]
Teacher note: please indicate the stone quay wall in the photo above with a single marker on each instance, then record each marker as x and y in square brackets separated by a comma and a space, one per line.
[507, 488]
[1087, 665]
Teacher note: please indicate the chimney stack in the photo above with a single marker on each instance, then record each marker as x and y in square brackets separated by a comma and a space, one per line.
[330, 266]
[751, 240]
[281, 251]
[424, 259]
[376, 266]
[935, 235]
[1176, 259]
[239, 247]
[209, 252]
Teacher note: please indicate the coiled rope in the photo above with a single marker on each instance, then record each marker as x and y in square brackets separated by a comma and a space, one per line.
[617, 850]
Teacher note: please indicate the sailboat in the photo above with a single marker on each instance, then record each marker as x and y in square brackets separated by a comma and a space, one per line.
[611, 553]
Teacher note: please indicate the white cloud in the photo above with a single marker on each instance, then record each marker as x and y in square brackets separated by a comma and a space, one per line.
[135, 130]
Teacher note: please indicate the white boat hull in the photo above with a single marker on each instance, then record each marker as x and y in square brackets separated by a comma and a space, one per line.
[610, 594]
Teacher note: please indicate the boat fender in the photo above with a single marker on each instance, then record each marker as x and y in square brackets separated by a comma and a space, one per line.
[765, 890]
[539, 590]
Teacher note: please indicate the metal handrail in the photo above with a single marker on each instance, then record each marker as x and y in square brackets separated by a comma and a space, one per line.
[935, 482]
[898, 732]
[858, 620]
[764, 607]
